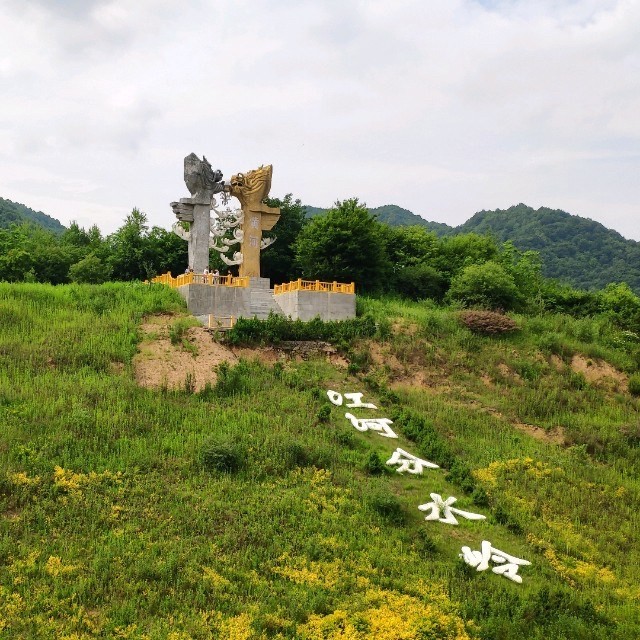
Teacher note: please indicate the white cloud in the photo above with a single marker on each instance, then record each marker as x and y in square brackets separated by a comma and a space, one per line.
[444, 107]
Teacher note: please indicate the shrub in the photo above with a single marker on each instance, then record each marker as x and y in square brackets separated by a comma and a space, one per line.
[389, 507]
[487, 286]
[425, 546]
[178, 330]
[431, 444]
[232, 380]
[634, 385]
[421, 281]
[374, 465]
[555, 344]
[487, 322]
[224, 456]
[324, 413]
[460, 474]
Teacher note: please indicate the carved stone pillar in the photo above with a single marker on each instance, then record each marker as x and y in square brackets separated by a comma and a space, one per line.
[202, 183]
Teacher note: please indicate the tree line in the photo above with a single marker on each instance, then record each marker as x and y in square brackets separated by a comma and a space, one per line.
[345, 244]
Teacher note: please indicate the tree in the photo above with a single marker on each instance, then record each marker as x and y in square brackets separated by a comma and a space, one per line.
[278, 260]
[90, 270]
[526, 270]
[458, 252]
[345, 245]
[75, 236]
[129, 260]
[411, 253]
[621, 304]
[486, 285]
[409, 246]
[420, 281]
[165, 251]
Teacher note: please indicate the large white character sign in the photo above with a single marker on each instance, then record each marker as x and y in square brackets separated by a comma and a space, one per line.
[440, 506]
[381, 425]
[409, 462]
[354, 398]
[507, 565]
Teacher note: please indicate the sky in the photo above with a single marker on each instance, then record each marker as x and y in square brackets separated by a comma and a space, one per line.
[443, 107]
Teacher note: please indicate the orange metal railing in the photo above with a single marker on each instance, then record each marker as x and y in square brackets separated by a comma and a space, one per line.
[200, 278]
[315, 285]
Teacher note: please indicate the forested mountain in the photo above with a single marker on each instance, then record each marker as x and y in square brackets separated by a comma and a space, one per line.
[580, 251]
[16, 213]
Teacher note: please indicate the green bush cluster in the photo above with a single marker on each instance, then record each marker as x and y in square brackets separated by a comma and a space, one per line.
[634, 385]
[276, 329]
[224, 456]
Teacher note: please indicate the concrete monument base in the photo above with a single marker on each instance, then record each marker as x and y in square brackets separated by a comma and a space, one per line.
[257, 301]
[217, 300]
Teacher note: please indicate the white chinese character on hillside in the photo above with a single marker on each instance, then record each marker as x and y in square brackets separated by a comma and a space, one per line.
[253, 241]
[507, 565]
[254, 222]
[440, 506]
[372, 424]
[355, 400]
[409, 462]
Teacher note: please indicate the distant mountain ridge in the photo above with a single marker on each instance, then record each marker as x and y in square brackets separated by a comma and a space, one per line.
[576, 250]
[394, 216]
[16, 213]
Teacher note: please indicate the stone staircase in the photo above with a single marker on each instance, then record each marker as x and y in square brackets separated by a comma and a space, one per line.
[263, 301]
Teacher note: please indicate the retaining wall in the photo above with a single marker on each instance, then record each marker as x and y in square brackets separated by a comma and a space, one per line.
[218, 300]
[306, 305]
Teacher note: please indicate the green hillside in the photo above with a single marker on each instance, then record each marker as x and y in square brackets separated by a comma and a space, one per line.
[254, 509]
[582, 252]
[16, 213]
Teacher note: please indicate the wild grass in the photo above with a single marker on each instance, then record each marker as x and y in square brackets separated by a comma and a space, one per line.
[253, 509]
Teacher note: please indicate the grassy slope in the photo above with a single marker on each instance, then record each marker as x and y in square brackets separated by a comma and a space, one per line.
[111, 527]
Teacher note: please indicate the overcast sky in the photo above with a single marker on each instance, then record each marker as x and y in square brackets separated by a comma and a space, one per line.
[444, 107]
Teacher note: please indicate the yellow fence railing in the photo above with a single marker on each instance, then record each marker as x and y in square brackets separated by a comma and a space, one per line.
[200, 278]
[315, 285]
[221, 323]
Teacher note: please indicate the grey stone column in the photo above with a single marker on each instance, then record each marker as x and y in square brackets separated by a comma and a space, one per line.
[199, 244]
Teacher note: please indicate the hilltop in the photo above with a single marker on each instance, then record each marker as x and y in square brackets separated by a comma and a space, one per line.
[577, 250]
[16, 213]
[253, 509]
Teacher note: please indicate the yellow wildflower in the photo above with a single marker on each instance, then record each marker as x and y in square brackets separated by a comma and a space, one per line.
[55, 568]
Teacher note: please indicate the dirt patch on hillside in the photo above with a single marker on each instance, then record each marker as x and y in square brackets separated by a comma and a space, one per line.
[160, 364]
[599, 372]
[555, 435]
[381, 356]
[508, 373]
[556, 362]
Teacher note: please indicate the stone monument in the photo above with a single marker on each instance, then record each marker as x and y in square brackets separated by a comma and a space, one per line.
[251, 189]
[229, 227]
[203, 183]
